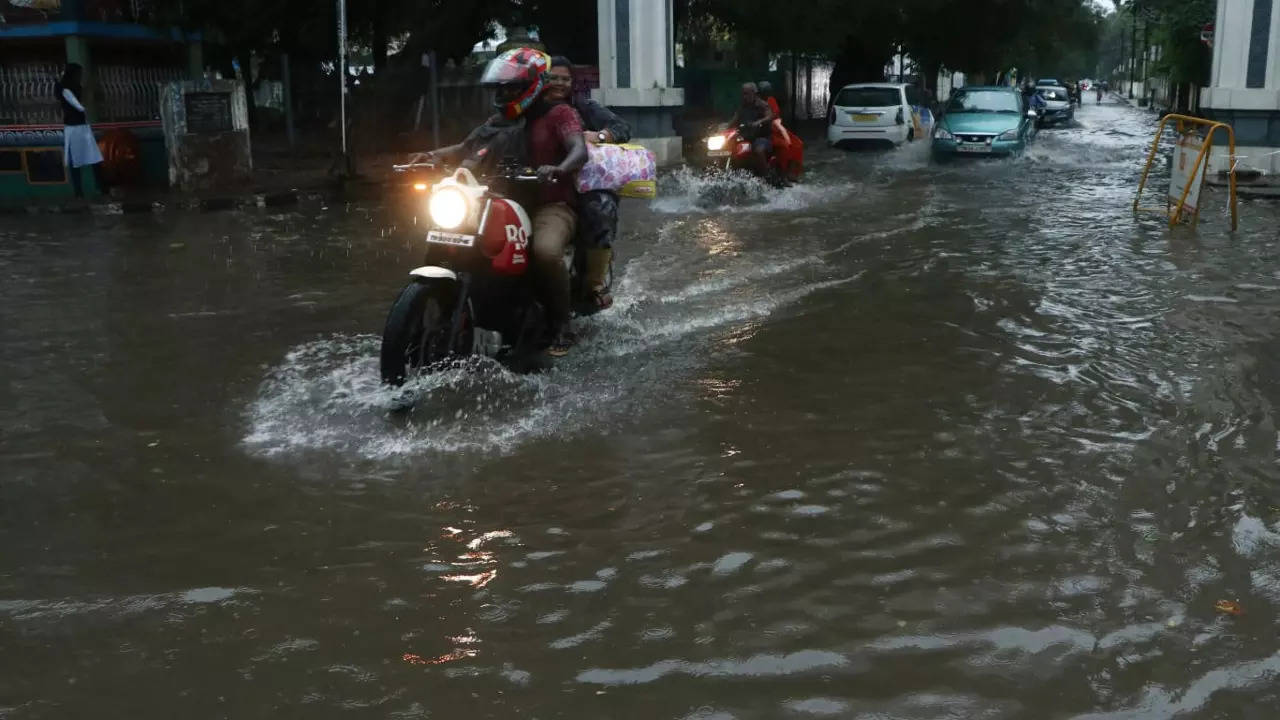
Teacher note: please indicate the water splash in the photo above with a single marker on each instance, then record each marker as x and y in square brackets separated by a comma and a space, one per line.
[689, 190]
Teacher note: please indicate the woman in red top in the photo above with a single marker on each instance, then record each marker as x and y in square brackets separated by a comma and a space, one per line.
[786, 147]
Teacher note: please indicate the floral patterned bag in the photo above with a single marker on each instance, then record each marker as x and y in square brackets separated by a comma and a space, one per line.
[629, 170]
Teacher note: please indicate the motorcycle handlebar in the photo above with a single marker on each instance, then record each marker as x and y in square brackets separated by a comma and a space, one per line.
[513, 175]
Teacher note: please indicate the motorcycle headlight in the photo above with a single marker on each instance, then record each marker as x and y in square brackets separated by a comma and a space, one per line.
[942, 134]
[448, 208]
[715, 142]
[1008, 135]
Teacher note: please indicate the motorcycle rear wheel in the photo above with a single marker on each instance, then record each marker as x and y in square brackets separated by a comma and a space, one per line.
[417, 332]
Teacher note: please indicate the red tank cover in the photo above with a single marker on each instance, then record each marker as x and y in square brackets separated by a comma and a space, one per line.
[507, 232]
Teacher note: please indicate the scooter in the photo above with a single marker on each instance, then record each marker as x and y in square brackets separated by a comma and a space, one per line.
[728, 149]
[474, 294]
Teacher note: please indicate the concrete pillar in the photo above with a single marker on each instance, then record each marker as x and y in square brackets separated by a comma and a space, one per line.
[637, 71]
[1244, 89]
[195, 60]
[77, 49]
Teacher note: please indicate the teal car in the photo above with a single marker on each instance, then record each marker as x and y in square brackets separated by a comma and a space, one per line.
[983, 121]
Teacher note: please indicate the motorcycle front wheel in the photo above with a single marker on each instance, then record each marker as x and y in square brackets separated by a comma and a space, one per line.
[417, 332]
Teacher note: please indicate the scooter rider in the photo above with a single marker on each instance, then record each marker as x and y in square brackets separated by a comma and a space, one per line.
[1034, 100]
[552, 140]
[597, 209]
[755, 116]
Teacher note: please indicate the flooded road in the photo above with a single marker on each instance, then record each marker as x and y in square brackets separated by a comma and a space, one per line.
[905, 441]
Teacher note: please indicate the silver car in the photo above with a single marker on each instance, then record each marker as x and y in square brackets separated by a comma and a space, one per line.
[1058, 106]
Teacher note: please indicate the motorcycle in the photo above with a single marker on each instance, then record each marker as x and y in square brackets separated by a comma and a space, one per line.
[728, 149]
[474, 295]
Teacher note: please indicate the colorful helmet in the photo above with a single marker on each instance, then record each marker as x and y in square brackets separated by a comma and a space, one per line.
[518, 75]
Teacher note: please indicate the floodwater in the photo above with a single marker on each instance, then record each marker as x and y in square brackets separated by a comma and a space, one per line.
[904, 441]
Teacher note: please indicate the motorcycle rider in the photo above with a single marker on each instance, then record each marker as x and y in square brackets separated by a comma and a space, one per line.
[1034, 100]
[597, 209]
[766, 94]
[788, 148]
[755, 117]
[541, 126]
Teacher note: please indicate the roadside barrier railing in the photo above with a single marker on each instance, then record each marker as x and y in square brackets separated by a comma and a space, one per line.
[1195, 137]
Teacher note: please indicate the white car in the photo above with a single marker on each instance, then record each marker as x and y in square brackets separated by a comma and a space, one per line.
[884, 112]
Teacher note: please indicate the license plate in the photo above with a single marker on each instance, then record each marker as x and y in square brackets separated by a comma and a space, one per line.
[446, 238]
[973, 148]
[865, 117]
[717, 153]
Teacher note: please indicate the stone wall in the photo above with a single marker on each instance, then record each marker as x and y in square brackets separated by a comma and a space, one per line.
[204, 160]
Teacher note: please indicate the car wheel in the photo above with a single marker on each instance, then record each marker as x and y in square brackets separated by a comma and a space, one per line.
[911, 135]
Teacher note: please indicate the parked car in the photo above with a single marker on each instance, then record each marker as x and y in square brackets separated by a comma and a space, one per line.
[983, 120]
[1059, 107]
[881, 112]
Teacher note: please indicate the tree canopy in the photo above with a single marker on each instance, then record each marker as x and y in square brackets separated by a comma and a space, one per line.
[1044, 36]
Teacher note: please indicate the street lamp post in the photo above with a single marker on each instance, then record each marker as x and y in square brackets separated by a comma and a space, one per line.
[1133, 42]
[1146, 60]
[342, 85]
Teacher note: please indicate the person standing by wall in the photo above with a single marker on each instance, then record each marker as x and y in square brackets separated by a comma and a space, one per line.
[78, 146]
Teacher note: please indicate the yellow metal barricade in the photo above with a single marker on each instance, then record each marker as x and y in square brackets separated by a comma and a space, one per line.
[1189, 132]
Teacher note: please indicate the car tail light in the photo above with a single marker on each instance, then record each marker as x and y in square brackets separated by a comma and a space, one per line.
[900, 120]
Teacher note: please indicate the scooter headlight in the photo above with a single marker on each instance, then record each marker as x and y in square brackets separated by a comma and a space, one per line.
[715, 142]
[448, 208]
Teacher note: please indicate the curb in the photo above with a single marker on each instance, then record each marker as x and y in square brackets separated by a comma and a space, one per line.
[180, 203]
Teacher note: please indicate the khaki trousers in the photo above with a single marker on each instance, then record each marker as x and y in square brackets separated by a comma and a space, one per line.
[553, 229]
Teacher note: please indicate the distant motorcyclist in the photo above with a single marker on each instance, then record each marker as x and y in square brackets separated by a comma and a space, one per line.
[1033, 99]
[788, 148]
[765, 90]
[754, 116]
[597, 209]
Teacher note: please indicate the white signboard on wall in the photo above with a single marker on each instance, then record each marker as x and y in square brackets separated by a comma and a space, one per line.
[1186, 173]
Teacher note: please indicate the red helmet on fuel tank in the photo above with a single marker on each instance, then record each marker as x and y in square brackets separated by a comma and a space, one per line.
[517, 74]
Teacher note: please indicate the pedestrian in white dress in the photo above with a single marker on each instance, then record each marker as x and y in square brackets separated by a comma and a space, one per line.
[78, 146]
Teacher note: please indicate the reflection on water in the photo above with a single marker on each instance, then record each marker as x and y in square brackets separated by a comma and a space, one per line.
[906, 440]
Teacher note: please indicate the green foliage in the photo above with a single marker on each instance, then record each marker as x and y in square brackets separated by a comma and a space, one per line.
[1058, 36]
[1176, 28]
[974, 35]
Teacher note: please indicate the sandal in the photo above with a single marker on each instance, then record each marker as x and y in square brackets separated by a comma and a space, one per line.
[595, 301]
[564, 342]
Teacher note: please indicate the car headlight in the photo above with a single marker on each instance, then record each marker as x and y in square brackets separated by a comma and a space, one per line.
[448, 208]
[941, 134]
[715, 142]
[1008, 135]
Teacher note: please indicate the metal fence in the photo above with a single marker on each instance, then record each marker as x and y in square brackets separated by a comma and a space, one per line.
[124, 92]
[26, 94]
[128, 92]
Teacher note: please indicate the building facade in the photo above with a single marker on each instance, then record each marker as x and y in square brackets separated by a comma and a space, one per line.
[1244, 88]
[127, 59]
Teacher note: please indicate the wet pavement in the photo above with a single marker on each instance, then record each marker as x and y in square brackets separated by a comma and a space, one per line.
[905, 441]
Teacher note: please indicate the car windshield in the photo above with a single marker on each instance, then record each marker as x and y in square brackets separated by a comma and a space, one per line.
[996, 101]
[868, 97]
[1054, 93]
